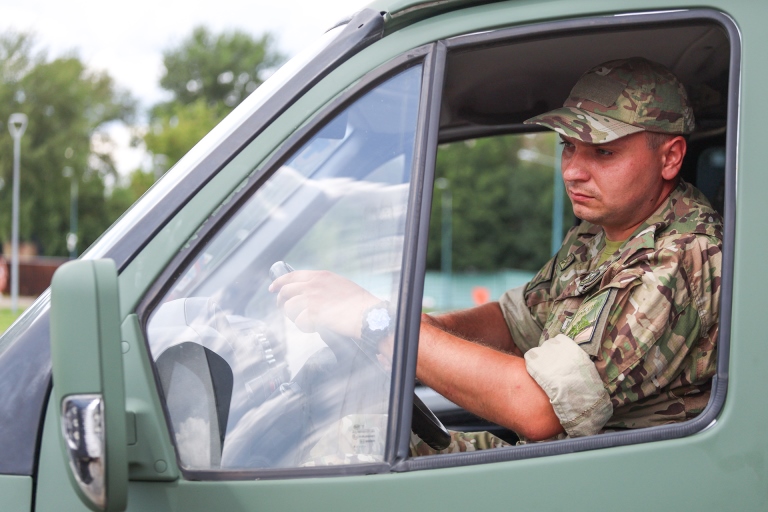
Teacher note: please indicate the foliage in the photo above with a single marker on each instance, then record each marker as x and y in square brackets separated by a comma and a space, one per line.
[67, 107]
[208, 75]
[127, 191]
[501, 204]
[174, 134]
[219, 68]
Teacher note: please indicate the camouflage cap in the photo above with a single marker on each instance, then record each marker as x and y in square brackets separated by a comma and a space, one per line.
[621, 97]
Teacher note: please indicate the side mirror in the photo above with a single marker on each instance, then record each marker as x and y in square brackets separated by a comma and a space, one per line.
[88, 380]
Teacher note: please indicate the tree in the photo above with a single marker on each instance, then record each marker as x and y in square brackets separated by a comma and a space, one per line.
[127, 191]
[208, 76]
[221, 68]
[502, 205]
[67, 106]
[181, 127]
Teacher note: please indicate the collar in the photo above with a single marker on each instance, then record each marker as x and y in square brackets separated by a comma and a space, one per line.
[685, 211]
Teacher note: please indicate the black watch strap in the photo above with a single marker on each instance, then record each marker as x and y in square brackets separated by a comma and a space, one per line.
[378, 323]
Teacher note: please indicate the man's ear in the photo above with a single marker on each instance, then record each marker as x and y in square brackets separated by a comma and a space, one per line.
[672, 154]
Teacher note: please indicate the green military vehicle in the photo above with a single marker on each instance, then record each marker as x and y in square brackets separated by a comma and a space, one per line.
[158, 373]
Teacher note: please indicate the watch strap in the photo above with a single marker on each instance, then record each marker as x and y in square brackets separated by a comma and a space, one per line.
[377, 325]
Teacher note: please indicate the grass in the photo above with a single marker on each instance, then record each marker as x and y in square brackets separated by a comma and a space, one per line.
[7, 318]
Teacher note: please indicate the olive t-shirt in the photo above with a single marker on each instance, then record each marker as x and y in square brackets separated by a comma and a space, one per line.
[610, 248]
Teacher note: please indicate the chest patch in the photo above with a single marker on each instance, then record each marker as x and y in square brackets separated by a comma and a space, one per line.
[588, 323]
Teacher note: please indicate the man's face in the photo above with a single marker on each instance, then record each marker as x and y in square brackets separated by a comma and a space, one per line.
[616, 185]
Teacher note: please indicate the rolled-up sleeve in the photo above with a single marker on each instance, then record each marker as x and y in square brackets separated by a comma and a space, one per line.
[574, 387]
[522, 326]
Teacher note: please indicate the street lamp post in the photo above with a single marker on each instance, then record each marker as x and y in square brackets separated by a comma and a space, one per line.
[17, 124]
[73, 191]
[446, 239]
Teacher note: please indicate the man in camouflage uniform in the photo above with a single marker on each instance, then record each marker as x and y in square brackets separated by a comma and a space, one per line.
[619, 329]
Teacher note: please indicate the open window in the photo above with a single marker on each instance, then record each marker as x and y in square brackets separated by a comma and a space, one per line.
[496, 80]
[499, 212]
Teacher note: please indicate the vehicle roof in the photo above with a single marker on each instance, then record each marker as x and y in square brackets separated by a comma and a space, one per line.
[406, 12]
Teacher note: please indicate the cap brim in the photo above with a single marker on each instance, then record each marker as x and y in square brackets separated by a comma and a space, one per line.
[586, 126]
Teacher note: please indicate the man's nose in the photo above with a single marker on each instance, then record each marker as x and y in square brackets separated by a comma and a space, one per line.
[574, 167]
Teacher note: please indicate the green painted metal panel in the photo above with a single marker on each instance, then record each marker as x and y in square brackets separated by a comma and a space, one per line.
[75, 350]
[150, 452]
[16, 492]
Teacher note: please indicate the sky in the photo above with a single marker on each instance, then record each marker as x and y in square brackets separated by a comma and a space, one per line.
[127, 39]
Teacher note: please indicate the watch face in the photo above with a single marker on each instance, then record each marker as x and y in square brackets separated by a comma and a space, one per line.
[378, 319]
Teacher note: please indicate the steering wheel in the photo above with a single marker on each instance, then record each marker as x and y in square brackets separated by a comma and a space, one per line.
[424, 423]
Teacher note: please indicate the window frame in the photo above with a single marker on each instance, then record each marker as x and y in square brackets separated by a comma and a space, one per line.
[708, 418]
[399, 418]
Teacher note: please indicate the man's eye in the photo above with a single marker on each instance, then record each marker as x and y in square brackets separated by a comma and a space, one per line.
[565, 143]
[604, 152]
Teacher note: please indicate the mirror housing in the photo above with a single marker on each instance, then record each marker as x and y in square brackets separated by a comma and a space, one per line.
[88, 381]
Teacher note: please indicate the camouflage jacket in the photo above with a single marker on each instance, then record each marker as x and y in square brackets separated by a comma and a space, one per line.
[645, 320]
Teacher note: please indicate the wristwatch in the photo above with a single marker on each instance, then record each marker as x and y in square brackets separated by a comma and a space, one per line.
[377, 324]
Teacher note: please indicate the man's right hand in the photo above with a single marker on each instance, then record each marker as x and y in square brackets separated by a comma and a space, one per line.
[320, 300]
